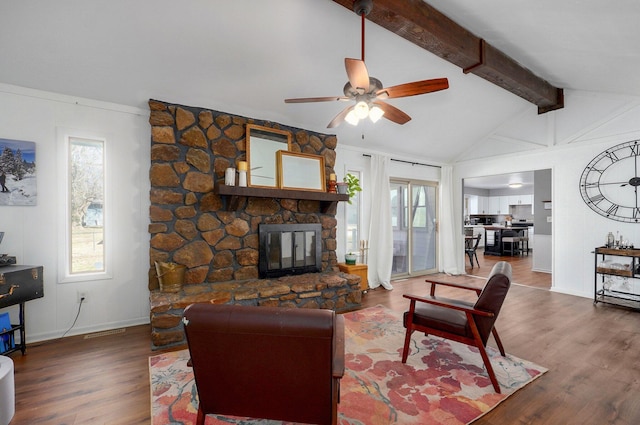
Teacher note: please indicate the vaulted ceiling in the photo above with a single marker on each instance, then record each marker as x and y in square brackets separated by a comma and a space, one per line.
[246, 57]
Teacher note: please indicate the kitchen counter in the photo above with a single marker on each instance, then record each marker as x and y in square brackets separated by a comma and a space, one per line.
[493, 238]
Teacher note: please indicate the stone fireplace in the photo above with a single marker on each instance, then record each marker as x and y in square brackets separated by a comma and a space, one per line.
[214, 230]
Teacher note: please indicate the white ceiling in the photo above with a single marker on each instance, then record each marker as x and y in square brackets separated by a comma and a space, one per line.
[245, 57]
[501, 181]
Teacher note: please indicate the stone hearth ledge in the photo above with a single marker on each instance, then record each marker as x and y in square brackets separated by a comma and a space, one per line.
[330, 290]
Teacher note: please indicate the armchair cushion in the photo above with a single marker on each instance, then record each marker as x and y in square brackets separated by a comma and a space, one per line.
[447, 319]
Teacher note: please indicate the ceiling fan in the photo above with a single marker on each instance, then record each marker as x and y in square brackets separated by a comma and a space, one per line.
[368, 92]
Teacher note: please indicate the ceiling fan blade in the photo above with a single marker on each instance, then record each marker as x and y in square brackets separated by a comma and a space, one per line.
[392, 113]
[358, 74]
[415, 88]
[340, 117]
[315, 99]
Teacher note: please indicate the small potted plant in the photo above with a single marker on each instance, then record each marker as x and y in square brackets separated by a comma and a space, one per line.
[353, 185]
[350, 258]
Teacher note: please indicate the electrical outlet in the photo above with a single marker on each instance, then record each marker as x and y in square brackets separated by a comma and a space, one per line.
[83, 296]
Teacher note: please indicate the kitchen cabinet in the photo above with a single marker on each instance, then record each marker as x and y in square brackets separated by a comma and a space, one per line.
[494, 205]
[472, 204]
[478, 204]
[498, 205]
[520, 199]
[483, 205]
[503, 205]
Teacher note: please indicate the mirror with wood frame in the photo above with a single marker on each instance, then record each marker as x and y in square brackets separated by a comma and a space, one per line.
[262, 145]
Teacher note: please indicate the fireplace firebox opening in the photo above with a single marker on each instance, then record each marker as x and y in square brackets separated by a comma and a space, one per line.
[290, 249]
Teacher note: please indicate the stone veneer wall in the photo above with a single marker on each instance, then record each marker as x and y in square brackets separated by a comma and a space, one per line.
[190, 150]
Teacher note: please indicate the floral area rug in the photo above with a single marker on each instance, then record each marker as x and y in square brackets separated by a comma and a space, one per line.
[443, 382]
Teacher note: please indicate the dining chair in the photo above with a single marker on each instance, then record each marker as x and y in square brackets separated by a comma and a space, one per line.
[471, 248]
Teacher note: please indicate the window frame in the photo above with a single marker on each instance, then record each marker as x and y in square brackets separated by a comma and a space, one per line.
[406, 223]
[360, 210]
[65, 138]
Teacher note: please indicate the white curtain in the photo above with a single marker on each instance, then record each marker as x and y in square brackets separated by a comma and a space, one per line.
[451, 257]
[380, 230]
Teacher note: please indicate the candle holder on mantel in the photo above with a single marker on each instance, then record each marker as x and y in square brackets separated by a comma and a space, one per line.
[242, 173]
[332, 183]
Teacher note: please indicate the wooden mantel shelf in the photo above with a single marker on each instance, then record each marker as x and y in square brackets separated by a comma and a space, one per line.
[327, 200]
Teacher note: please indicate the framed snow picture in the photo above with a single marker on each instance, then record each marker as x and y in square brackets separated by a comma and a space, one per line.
[17, 172]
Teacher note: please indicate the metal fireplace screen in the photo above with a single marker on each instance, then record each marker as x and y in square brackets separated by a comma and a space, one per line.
[288, 249]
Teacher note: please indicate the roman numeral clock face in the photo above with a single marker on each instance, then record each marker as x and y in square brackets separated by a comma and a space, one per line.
[609, 184]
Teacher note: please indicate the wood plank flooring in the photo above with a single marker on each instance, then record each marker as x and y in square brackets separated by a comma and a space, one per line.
[521, 265]
[591, 352]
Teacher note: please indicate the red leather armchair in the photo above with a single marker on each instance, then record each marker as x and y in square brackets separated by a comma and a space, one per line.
[461, 321]
[266, 362]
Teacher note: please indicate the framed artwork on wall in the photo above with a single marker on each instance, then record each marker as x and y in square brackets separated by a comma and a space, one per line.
[17, 172]
[301, 171]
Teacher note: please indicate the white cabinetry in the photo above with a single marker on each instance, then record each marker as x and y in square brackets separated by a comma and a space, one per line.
[494, 204]
[498, 205]
[503, 205]
[520, 199]
[472, 204]
[478, 204]
[483, 205]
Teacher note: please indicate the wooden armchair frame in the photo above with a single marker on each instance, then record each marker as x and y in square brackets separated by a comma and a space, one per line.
[471, 334]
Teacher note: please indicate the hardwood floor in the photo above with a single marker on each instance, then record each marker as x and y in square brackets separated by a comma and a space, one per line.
[521, 265]
[591, 352]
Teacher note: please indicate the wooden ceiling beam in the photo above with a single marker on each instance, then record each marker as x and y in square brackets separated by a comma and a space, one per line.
[425, 26]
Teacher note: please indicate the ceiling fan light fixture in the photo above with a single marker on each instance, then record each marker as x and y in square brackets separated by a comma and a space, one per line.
[367, 91]
[361, 109]
[375, 114]
[351, 118]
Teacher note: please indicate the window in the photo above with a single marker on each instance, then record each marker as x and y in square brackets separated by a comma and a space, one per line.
[353, 218]
[86, 208]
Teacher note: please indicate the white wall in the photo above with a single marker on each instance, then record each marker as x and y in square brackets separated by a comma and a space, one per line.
[575, 136]
[32, 232]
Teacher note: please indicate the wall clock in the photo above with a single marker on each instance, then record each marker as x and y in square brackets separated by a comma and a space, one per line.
[609, 184]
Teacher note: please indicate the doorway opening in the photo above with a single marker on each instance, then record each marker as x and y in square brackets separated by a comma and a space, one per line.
[515, 201]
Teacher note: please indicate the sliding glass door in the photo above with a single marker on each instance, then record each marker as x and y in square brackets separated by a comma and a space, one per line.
[413, 215]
